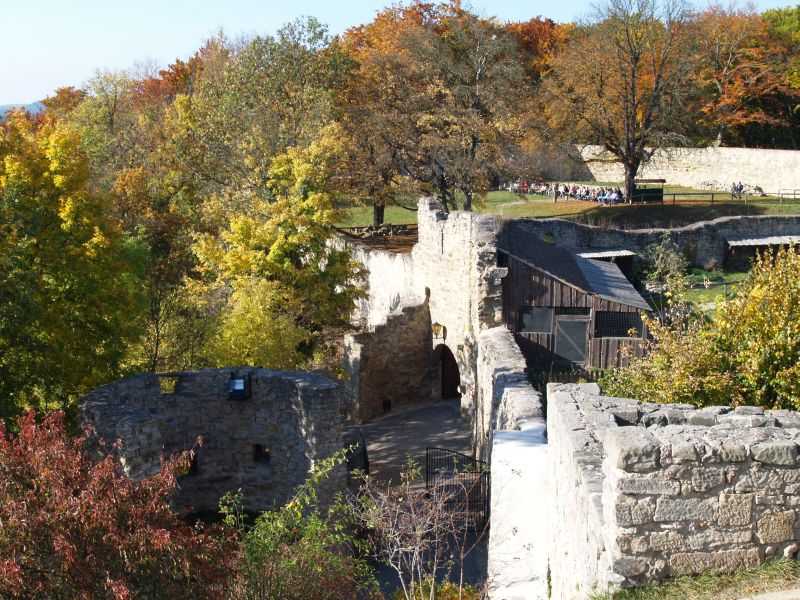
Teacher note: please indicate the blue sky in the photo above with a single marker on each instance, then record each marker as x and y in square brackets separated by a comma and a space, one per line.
[46, 44]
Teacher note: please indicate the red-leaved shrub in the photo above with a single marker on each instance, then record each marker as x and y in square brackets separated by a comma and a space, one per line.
[74, 528]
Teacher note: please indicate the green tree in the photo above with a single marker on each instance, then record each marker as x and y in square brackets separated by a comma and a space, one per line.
[301, 551]
[67, 288]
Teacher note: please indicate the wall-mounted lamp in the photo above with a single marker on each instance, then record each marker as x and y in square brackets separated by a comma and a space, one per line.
[238, 387]
[439, 331]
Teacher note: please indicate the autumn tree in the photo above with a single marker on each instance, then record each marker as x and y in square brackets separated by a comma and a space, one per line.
[436, 88]
[625, 82]
[743, 73]
[281, 283]
[68, 289]
[73, 528]
[261, 97]
[748, 354]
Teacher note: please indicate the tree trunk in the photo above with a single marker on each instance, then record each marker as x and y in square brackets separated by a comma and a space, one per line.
[468, 199]
[630, 177]
[378, 210]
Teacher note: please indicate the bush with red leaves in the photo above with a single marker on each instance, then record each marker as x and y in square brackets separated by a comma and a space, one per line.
[74, 528]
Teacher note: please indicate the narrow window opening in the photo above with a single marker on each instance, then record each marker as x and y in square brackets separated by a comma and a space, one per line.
[167, 385]
[261, 454]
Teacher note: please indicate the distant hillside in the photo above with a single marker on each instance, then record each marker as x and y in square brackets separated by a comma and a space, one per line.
[33, 108]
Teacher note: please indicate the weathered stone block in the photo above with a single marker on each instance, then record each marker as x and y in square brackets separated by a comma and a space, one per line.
[704, 479]
[648, 485]
[760, 480]
[632, 544]
[777, 527]
[685, 563]
[735, 509]
[683, 450]
[775, 453]
[733, 451]
[667, 541]
[715, 538]
[700, 417]
[690, 509]
[629, 566]
[632, 449]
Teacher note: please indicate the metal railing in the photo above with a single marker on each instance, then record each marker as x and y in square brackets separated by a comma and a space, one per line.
[463, 479]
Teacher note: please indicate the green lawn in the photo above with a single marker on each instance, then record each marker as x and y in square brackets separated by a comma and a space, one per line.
[624, 216]
[721, 284]
[361, 216]
[781, 574]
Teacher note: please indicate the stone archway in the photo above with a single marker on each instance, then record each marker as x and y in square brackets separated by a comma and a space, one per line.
[449, 377]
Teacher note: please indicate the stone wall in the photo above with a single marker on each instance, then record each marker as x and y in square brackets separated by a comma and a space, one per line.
[646, 491]
[705, 241]
[455, 260]
[390, 285]
[294, 417]
[506, 400]
[509, 431]
[453, 267]
[389, 365]
[706, 168]
[579, 560]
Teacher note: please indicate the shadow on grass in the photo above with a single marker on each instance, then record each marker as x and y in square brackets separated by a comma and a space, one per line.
[638, 216]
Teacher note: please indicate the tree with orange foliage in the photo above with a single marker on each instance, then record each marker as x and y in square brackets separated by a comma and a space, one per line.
[624, 82]
[431, 97]
[538, 42]
[743, 72]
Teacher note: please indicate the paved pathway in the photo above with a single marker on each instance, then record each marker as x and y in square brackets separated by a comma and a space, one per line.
[407, 431]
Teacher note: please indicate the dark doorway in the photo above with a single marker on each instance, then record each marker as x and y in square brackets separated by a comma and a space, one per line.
[451, 379]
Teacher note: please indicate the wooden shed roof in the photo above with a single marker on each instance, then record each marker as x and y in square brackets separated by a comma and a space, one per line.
[603, 279]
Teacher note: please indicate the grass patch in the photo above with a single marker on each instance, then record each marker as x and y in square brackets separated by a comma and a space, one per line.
[721, 285]
[361, 216]
[779, 574]
[622, 216]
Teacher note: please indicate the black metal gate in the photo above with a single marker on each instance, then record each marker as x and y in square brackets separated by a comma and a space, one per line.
[464, 481]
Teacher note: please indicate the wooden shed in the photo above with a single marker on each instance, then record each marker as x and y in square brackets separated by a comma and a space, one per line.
[566, 310]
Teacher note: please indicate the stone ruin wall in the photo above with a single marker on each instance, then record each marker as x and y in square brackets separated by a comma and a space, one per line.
[390, 365]
[452, 275]
[646, 491]
[294, 416]
[509, 432]
[705, 241]
[506, 400]
[705, 168]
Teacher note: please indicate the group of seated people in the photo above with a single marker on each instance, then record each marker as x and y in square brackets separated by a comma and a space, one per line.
[603, 195]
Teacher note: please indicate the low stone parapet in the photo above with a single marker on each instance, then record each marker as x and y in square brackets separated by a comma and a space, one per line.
[646, 491]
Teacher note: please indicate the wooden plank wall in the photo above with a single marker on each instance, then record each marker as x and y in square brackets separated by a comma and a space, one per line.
[525, 286]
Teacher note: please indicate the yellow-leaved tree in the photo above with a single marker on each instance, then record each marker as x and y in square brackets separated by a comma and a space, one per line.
[67, 289]
[282, 283]
[748, 354]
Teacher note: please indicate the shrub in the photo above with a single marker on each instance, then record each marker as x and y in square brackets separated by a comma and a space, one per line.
[749, 353]
[298, 551]
[72, 528]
